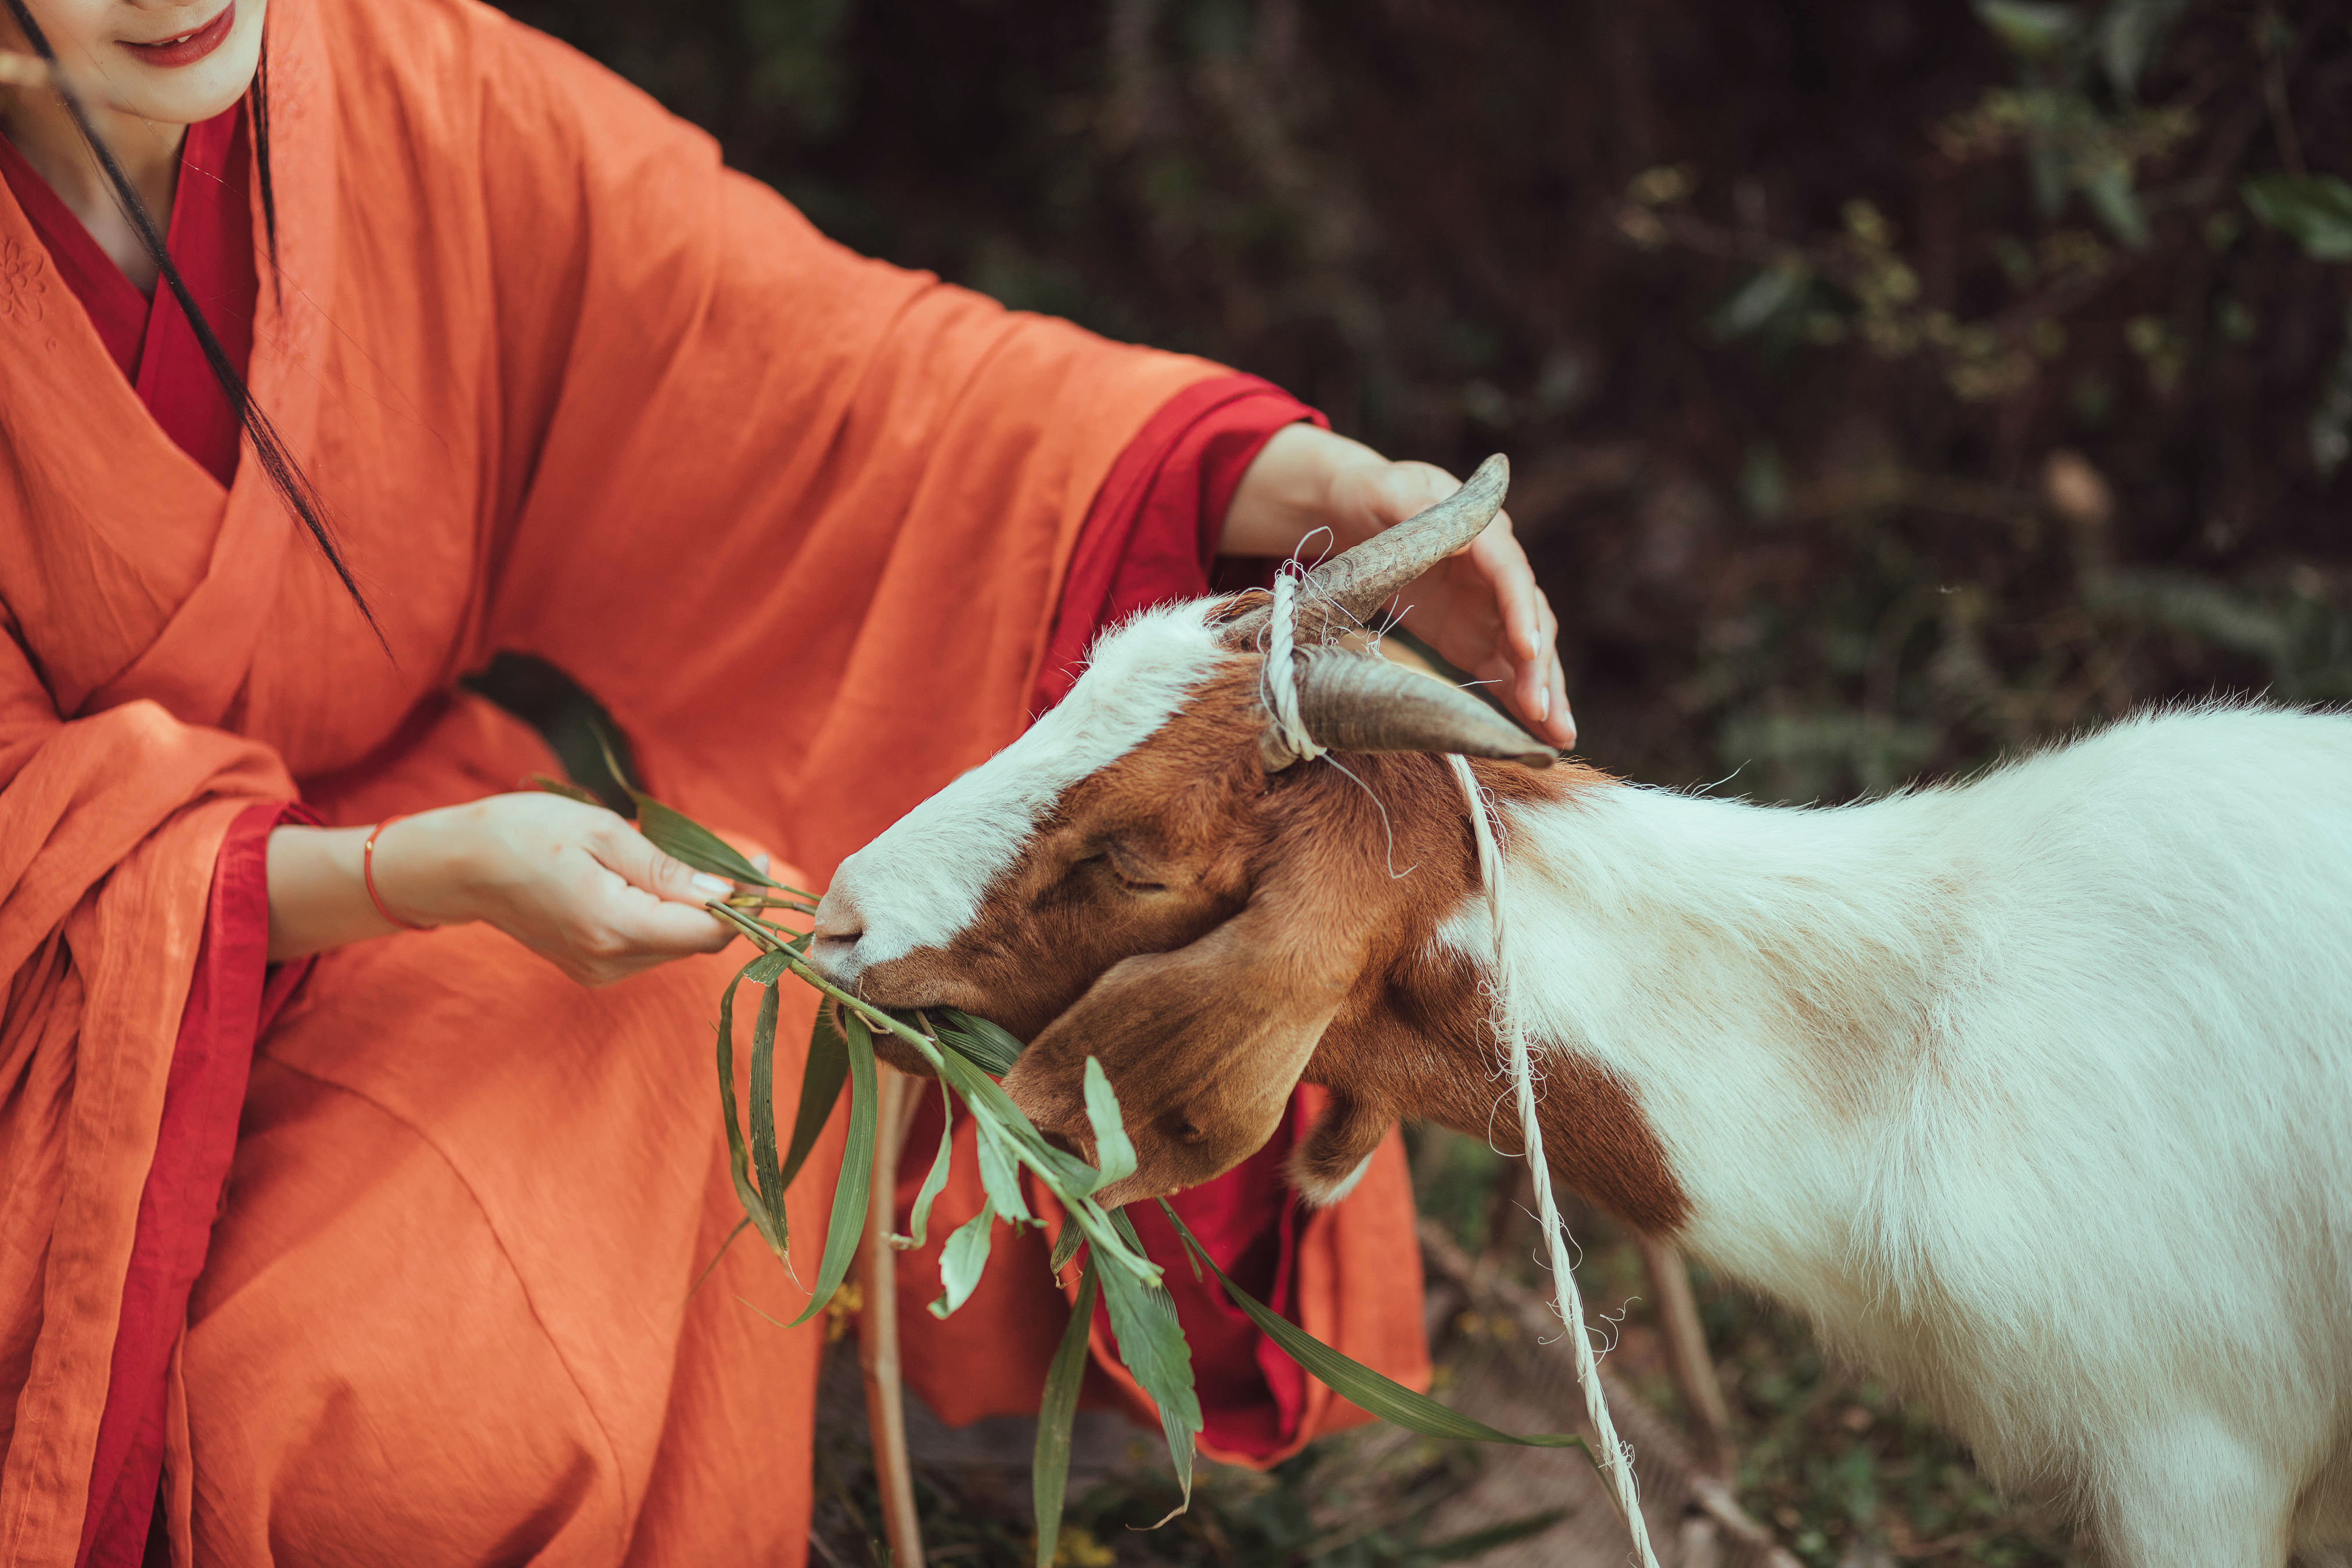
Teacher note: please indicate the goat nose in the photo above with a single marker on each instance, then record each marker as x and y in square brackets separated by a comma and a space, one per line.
[839, 923]
[838, 918]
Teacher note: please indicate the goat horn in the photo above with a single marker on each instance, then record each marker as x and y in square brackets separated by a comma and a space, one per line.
[1363, 579]
[1360, 702]
[1368, 576]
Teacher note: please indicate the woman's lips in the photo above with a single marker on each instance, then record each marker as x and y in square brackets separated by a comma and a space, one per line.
[188, 48]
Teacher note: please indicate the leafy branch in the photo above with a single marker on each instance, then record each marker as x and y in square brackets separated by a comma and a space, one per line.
[964, 1051]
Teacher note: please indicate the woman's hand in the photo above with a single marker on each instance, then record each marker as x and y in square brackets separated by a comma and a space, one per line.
[1480, 609]
[574, 883]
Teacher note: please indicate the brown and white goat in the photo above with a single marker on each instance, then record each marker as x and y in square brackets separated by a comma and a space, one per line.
[2035, 1093]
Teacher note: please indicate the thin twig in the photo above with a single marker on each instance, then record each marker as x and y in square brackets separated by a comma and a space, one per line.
[1687, 1352]
[878, 1327]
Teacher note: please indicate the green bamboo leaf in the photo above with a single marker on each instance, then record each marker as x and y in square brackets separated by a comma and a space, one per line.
[1151, 1345]
[848, 1221]
[1065, 1247]
[1064, 1174]
[763, 1111]
[822, 1076]
[962, 1260]
[988, 1101]
[994, 1049]
[1127, 1233]
[739, 1157]
[1113, 1150]
[563, 787]
[1359, 1385]
[1050, 1473]
[936, 1179]
[681, 838]
[999, 1172]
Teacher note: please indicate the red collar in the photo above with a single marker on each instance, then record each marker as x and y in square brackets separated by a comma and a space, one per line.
[211, 242]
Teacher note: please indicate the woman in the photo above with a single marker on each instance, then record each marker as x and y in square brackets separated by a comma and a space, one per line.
[818, 533]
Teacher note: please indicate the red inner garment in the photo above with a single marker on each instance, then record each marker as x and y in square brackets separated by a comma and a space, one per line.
[211, 242]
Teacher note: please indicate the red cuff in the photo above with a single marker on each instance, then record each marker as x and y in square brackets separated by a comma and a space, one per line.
[231, 1000]
[1153, 530]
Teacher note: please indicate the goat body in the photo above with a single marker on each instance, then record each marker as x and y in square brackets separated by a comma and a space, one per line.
[2032, 1092]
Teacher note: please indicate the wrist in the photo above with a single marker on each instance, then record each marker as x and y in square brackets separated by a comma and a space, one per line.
[421, 868]
[1299, 481]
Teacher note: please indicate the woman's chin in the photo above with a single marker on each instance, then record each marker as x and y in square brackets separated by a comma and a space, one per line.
[191, 94]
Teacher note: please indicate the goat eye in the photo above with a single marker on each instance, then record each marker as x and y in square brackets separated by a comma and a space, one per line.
[1132, 874]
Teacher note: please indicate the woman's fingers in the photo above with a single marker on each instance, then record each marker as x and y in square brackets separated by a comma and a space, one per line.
[1504, 565]
[647, 906]
[659, 929]
[632, 855]
[1563, 732]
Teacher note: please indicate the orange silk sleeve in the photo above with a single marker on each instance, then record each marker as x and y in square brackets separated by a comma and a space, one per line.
[800, 519]
[108, 829]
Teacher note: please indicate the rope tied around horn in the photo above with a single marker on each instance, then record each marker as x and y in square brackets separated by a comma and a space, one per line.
[1287, 730]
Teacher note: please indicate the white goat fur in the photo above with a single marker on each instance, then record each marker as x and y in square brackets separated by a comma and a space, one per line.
[2032, 1094]
[2035, 1093]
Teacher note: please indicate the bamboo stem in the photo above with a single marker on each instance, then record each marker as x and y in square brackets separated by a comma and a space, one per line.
[1694, 1369]
[877, 1325]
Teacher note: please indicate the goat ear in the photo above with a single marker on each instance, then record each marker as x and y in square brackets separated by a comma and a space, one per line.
[1327, 1166]
[1203, 1045]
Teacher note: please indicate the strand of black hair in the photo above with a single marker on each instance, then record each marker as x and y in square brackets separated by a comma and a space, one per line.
[286, 476]
[261, 162]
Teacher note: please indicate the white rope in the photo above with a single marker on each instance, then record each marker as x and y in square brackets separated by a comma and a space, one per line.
[1616, 1456]
[1282, 668]
[1281, 695]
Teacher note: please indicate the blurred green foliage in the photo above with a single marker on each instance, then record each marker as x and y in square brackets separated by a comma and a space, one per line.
[1889, 384]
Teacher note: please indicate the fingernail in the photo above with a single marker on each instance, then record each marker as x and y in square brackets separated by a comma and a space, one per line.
[1543, 701]
[759, 861]
[718, 888]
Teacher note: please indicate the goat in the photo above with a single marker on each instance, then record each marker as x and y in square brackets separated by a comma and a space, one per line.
[2031, 1092]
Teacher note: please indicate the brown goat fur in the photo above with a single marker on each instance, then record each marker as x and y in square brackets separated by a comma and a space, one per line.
[1214, 933]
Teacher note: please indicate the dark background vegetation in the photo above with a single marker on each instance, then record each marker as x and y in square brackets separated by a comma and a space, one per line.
[1889, 384]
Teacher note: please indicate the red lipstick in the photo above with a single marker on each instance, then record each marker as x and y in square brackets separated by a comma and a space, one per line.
[186, 48]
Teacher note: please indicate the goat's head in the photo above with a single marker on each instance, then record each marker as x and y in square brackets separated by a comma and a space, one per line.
[1146, 878]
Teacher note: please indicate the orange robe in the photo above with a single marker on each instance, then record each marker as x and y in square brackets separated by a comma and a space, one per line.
[798, 519]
